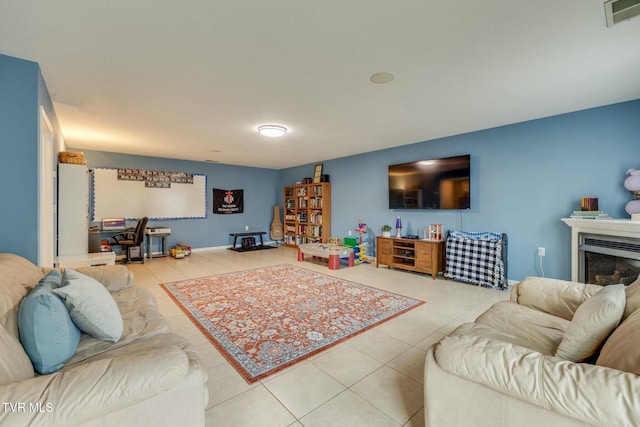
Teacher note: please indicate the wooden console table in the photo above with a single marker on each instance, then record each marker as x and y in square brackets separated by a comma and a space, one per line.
[423, 256]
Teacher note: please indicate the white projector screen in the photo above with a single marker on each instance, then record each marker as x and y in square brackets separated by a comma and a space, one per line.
[114, 198]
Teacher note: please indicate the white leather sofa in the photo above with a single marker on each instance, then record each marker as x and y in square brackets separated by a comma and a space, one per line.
[147, 377]
[558, 353]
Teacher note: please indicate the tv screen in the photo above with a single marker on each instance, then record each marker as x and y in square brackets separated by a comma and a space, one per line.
[431, 184]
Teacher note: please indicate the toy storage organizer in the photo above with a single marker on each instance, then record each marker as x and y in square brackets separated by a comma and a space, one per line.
[479, 258]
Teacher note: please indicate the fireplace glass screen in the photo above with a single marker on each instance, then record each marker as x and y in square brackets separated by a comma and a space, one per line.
[610, 270]
[609, 260]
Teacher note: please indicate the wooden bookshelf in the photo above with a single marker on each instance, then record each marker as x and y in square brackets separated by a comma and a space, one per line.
[307, 213]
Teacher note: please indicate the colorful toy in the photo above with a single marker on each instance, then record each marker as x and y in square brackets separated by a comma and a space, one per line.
[362, 246]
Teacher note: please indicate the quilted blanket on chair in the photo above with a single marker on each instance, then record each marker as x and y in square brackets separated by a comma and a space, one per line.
[476, 261]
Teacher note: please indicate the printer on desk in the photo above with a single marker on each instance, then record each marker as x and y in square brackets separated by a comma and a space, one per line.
[156, 231]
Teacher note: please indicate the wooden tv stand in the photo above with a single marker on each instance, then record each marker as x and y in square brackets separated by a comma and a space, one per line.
[423, 256]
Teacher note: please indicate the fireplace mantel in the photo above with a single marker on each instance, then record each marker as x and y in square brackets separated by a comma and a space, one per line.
[608, 227]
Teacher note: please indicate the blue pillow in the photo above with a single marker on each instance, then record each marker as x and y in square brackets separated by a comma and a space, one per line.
[91, 306]
[48, 335]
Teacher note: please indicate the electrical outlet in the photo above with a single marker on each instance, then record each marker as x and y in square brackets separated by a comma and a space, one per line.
[541, 251]
[246, 227]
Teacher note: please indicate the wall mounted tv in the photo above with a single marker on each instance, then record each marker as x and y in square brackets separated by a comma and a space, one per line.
[431, 184]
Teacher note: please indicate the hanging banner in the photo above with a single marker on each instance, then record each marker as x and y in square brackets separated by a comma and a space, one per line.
[228, 201]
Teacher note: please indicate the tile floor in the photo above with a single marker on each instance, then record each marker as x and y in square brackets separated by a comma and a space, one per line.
[373, 379]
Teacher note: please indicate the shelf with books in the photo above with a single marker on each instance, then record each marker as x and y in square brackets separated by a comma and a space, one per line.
[307, 213]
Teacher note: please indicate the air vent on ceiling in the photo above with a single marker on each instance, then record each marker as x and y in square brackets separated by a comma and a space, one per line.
[617, 11]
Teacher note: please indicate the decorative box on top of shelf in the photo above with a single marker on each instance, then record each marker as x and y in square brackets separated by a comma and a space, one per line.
[307, 213]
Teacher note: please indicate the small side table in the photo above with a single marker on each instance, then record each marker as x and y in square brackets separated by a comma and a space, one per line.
[163, 233]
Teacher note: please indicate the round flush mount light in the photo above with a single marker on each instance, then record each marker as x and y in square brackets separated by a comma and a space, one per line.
[272, 131]
[380, 78]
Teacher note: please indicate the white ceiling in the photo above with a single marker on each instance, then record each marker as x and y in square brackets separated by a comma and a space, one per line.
[193, 79]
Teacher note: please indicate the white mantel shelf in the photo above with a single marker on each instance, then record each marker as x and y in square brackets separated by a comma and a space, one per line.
[608, 227]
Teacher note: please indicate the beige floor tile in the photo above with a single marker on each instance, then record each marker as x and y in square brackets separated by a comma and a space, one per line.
[224, 383]
[411, 328]
[410, 363]
[417, 420]
[347, 410]
[303, 388]
[379, 345]
[210, 355]
[254, 407]
[395, 394]
[346, 364]
[430, 340]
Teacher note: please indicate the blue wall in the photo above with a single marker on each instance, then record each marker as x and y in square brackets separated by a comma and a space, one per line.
[22, 91]
[260, 194]
[525, 177]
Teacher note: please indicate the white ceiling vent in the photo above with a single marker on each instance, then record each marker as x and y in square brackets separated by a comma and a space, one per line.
[617, 11]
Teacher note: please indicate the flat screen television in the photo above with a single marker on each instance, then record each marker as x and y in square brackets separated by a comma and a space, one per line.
[431, 184]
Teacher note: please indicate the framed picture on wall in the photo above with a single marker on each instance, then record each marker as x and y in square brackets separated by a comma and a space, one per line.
[317, 173]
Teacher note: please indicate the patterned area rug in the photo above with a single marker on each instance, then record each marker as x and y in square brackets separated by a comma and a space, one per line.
[266, 319]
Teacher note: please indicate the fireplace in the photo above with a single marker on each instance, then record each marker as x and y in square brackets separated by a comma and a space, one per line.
[608, 260]
[604, 251]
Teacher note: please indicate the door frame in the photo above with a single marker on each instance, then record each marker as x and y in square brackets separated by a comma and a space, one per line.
[46, 204]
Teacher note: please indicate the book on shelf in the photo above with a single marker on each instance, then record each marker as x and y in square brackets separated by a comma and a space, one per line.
[587, 212]
[590, 215]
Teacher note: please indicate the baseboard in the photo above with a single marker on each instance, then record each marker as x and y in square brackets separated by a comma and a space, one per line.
[210, 248]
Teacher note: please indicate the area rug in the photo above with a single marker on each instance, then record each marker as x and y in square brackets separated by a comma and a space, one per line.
[265, 319]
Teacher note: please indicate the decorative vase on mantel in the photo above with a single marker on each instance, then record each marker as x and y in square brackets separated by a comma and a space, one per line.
[632, 183]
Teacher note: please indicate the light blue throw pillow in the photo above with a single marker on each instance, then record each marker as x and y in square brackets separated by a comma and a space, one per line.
[91, 306]
[48, 335]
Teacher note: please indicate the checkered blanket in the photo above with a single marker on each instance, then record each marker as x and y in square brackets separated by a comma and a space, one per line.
[477, 261]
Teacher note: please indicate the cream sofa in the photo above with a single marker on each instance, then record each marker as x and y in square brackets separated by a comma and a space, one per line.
[148, 377]
[519, 364]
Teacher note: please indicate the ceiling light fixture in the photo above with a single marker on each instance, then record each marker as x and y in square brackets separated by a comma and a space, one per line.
[381, 78]
[272, 131]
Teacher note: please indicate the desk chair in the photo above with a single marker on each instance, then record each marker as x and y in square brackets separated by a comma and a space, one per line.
[131, 241]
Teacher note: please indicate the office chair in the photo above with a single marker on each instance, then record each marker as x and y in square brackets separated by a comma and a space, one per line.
[131, 241]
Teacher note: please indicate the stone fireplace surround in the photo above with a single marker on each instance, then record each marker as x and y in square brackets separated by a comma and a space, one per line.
[630, 230]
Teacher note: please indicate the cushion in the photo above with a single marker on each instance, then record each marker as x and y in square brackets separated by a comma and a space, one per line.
[633, 298]
[15, 365]
[558, 297]
[114, 278]
[621, 351]
[47, 333]
[526, 327]
[594, 320]
[91, 306]
[19, 276]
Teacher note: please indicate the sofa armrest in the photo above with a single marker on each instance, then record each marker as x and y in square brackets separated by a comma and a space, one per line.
[113, 277]
[558, 297]
[88, 391]
[592, 394]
